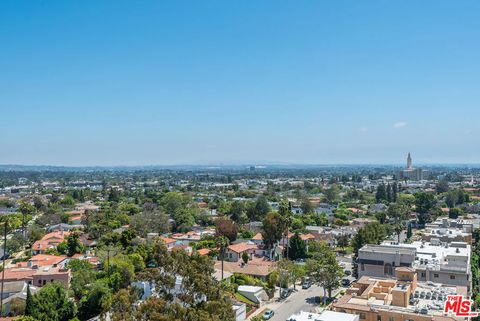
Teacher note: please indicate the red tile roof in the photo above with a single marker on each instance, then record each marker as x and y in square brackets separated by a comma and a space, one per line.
[45, 259]
[306, 237]
[258, 237]
[203, 251]
[21, 274]
[167, 240]
[242, 247]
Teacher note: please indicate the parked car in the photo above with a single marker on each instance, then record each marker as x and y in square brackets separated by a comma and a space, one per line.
[306, 284]
[345, 282]
[285, 293]
[348, 272]
[268, 315]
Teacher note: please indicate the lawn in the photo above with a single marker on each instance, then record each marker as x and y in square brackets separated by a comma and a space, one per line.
[243, 299]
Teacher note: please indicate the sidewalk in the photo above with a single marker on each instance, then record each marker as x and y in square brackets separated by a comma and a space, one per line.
[272, 304]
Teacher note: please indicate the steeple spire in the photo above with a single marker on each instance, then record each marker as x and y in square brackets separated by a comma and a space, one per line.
[409, 161]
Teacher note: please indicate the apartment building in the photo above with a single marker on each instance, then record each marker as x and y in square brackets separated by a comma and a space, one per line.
[433, 261]
[449, 230]
[401, 299]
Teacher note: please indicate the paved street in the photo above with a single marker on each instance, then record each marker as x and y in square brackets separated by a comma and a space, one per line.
[301, 300]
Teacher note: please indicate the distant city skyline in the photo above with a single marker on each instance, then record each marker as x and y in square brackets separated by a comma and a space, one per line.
[119, 83]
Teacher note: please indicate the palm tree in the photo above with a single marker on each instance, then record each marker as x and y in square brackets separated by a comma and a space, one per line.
[222, 243]
[286, 213]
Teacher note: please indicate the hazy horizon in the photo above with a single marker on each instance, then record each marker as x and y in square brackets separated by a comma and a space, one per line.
[244, 164]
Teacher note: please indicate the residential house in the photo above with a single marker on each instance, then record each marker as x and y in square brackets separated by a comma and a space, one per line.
[15, 291]
[257, 267]
[40, 270]
[235, 251]
[49, 241]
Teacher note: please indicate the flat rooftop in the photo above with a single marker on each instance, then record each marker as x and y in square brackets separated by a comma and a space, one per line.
[428, 298]
[436, 255]
[324, 316]
[387, 248]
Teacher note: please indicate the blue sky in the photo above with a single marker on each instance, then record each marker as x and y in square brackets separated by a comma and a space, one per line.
[183, 82]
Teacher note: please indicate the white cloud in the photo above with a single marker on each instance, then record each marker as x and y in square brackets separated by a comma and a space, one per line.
[364, 129]
[400, 124]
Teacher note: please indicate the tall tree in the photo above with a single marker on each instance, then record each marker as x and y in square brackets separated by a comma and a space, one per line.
[389, 193]
[259, 209]
[173, 201]
[306, 206]
[26, 209]
[226, 227]
[454, 213]
[200, 296]
[442, 186]
[409, 231]
[297, 248]
[343, 240]
[324, 269]
[51, 303]
[285, 211]
[394, 192]
[150, 221]
[97, 301]
[222, 243]
[245, 257]
[272, 229]
[381, 194]
[424, 203]
[73, 244]
[331, 194]
[398, 212]
[238, 213]
[29, 303]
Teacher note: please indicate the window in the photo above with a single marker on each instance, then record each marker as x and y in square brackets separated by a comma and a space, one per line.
[362, 267]
[423, 274]
[435, 275]
[452, 277]
[391, 319]
[387, 269]
[362, 316]
[379, 318]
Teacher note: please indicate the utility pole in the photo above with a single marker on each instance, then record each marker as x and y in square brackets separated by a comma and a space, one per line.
[108, 261]
[24, 226]
[3, 270]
